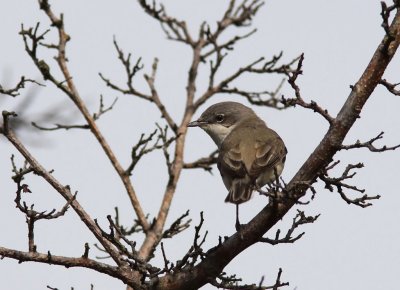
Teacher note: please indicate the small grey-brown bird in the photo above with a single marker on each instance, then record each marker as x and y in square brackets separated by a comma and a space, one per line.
[251, 155]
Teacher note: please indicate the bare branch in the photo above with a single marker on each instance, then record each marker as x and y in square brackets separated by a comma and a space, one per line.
[390, 87]
[177, 226]
[13, 92]
[204, 162]
[339, 184]
[86, 253]
[131, 71]
[156, 99]
[140, 149]
[173, 28]
[259, 66]
[385, 13]
[68, 262]
[250, 233]
[259, 99]
[32, 39]
[59, 127]
[232, 282]
[167, 263]
[102, 110]
[298, 220]
[369, 145]
[240, 15]
[134, 228]
[298, 100]
[63, 190]
[195, 251]
[227, 45]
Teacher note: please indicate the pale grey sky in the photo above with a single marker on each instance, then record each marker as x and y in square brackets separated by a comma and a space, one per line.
[347, 248]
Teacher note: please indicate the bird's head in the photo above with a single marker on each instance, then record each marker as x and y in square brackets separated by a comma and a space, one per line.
[220, 119]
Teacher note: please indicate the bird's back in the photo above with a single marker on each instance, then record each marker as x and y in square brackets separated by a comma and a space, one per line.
[250, 156]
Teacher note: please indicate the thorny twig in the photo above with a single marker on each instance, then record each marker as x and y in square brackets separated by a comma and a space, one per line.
[177, 226]
[131, 71]
[195, 251]
[339, 184]
[134, 228]
[298, 220]
[142, 147]
[232, 282]
[298, 100]
[32, 215]
[259, 66]
[369, 145]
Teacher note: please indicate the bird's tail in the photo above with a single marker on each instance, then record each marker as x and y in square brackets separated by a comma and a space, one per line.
[241, 190]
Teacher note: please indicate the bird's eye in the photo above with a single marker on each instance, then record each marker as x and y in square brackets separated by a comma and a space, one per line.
[219, 118]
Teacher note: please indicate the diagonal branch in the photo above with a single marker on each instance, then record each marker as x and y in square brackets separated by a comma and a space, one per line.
[69, 88]
[218, 257]
[150, 79]
[63, 190]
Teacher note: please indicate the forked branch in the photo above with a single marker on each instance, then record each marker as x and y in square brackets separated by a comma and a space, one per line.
[15, 91]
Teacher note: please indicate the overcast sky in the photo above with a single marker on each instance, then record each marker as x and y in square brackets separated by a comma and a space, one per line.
[347, 248]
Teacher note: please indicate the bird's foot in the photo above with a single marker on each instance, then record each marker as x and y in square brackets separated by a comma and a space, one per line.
[239, 226]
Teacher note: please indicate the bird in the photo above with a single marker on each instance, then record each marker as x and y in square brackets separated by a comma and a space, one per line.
[251, 154]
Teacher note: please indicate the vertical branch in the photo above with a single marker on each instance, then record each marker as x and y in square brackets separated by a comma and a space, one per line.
[177, 30]
[31, 236]
[154, 235]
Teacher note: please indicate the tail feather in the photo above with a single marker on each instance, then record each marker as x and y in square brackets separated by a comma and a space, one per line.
[240, 191]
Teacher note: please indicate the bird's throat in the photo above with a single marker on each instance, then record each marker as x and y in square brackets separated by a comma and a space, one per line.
[218, 132]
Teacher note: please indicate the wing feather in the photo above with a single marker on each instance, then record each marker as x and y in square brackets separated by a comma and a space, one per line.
[250, 161]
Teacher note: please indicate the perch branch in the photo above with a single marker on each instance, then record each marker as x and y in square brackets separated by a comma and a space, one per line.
[218, 257]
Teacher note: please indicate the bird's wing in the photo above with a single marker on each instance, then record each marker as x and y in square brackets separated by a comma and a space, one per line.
[268, 154]
[231, 162]
[234, 175]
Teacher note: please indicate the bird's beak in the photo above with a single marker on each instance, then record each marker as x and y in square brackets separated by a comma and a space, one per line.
[196, 123]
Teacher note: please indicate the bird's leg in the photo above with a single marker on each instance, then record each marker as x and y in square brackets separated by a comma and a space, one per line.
[237, 224]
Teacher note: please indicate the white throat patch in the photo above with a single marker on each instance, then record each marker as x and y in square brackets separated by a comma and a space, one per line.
[217, 132]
